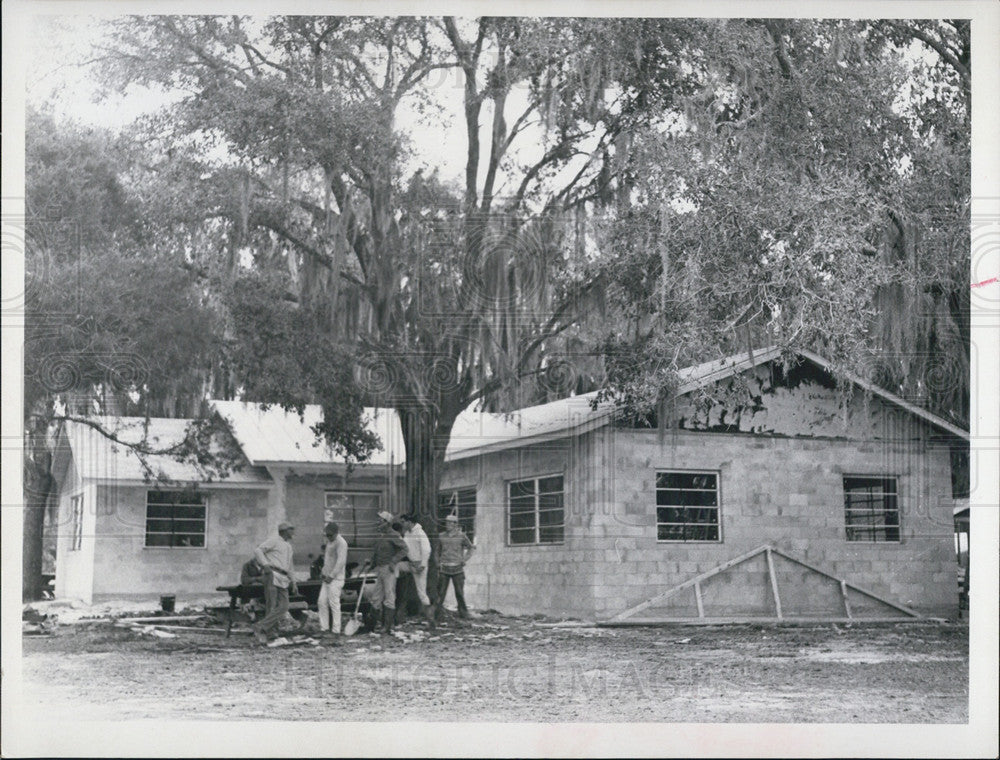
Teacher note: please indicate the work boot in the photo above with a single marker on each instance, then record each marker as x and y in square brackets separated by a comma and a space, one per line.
[388, 616]
[429, 615]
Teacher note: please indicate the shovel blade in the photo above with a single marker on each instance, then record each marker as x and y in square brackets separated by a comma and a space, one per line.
[352, 627]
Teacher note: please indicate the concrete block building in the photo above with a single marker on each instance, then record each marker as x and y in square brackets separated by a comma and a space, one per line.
[577, 512]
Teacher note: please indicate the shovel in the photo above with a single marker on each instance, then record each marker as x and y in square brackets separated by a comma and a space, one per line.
[354, 624]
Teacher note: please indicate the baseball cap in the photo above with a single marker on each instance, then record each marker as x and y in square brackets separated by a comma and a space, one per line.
[387, 516]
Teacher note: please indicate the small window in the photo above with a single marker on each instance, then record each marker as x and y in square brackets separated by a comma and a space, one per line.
[465, 501]
[535, 511]
[175, 519]
[76, 521]
[871, 509]
[687, 506]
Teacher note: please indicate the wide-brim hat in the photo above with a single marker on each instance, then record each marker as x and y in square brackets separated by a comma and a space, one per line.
[285, 526]
[387, 516]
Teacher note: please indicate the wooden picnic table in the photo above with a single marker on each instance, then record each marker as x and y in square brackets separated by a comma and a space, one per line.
[307, 598]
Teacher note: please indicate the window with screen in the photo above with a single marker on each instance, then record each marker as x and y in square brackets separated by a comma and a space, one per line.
[871, 509]
[687, 506]
[535, 511]
[462, 500]
[175, 519]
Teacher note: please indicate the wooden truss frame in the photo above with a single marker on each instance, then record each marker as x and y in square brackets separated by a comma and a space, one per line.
[768, 551]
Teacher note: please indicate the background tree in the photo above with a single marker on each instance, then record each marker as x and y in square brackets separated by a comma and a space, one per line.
[790, 201]
[442, 295]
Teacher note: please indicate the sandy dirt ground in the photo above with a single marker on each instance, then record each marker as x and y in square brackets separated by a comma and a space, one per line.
[496, 668]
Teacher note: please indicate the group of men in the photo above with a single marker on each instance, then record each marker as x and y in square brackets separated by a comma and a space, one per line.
[402, 547]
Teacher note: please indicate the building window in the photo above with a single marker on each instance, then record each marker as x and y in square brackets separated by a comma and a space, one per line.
[687, 506]
[871, 509]
[76, 521]
[464, 501]
[356, 514]
[175, 519]
[535, 511]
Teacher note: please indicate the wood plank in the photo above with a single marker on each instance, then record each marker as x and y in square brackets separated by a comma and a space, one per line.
[787, 621]
[843, 594]
[697, 599]
[860, 590]
[687, 584]
[163, 619]
[774, 583]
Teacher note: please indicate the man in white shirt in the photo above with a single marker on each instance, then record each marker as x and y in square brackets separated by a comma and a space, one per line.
[275, 556]
[334, 565]
[418, 561]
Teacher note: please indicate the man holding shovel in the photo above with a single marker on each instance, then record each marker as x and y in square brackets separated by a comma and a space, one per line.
[389, 551]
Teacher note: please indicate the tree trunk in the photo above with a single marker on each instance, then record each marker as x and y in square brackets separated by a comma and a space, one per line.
[38, 486]
[425, 436]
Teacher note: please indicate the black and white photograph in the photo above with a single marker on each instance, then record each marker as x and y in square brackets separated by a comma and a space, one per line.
[477, 379]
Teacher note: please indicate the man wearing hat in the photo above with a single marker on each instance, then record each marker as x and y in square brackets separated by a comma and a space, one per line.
[389, 551]
[275, 556]
[454, 550]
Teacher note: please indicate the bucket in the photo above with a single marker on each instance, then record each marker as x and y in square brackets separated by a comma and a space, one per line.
[167, 602]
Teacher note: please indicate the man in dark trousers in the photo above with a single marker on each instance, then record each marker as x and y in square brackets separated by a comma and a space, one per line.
[389, 551]
[454, 550]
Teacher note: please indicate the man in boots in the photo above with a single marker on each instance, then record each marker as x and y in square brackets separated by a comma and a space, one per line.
[454, 550]
[418, 562]
[389, 551]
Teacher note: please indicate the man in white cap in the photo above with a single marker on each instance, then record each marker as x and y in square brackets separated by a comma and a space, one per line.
[389, 551]
[275, 556]
[334, 566]
[454, 550]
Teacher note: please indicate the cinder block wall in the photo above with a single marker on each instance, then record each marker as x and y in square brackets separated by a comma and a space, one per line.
[123, 566]
[554, 579]
[787, 492]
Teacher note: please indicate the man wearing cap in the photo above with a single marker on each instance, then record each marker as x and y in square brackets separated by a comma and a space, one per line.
[418, 561]
[389, 551]
[333, 574]
[454, 550]
[275, 556]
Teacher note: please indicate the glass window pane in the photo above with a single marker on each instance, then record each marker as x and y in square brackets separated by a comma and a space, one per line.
[522, 488]
[670, 532]
[522, 520]
[522, 536]
[550, 535]
[553, 484]
[550, 501]
[550, 517]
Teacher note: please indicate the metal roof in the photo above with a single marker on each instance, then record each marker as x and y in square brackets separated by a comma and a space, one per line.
[98, 457]
[272, 436]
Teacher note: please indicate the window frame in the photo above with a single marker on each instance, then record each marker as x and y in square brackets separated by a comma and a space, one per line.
[884, 527]
[537, 526]
[439, 519]
[76, 522]
[204, 505]
[718, 506]
[327, 493]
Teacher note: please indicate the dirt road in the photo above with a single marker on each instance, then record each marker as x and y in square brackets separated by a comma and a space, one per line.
[512, 669]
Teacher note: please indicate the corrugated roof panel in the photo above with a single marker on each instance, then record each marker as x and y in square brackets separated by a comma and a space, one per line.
[98, 457]
[273, 435]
